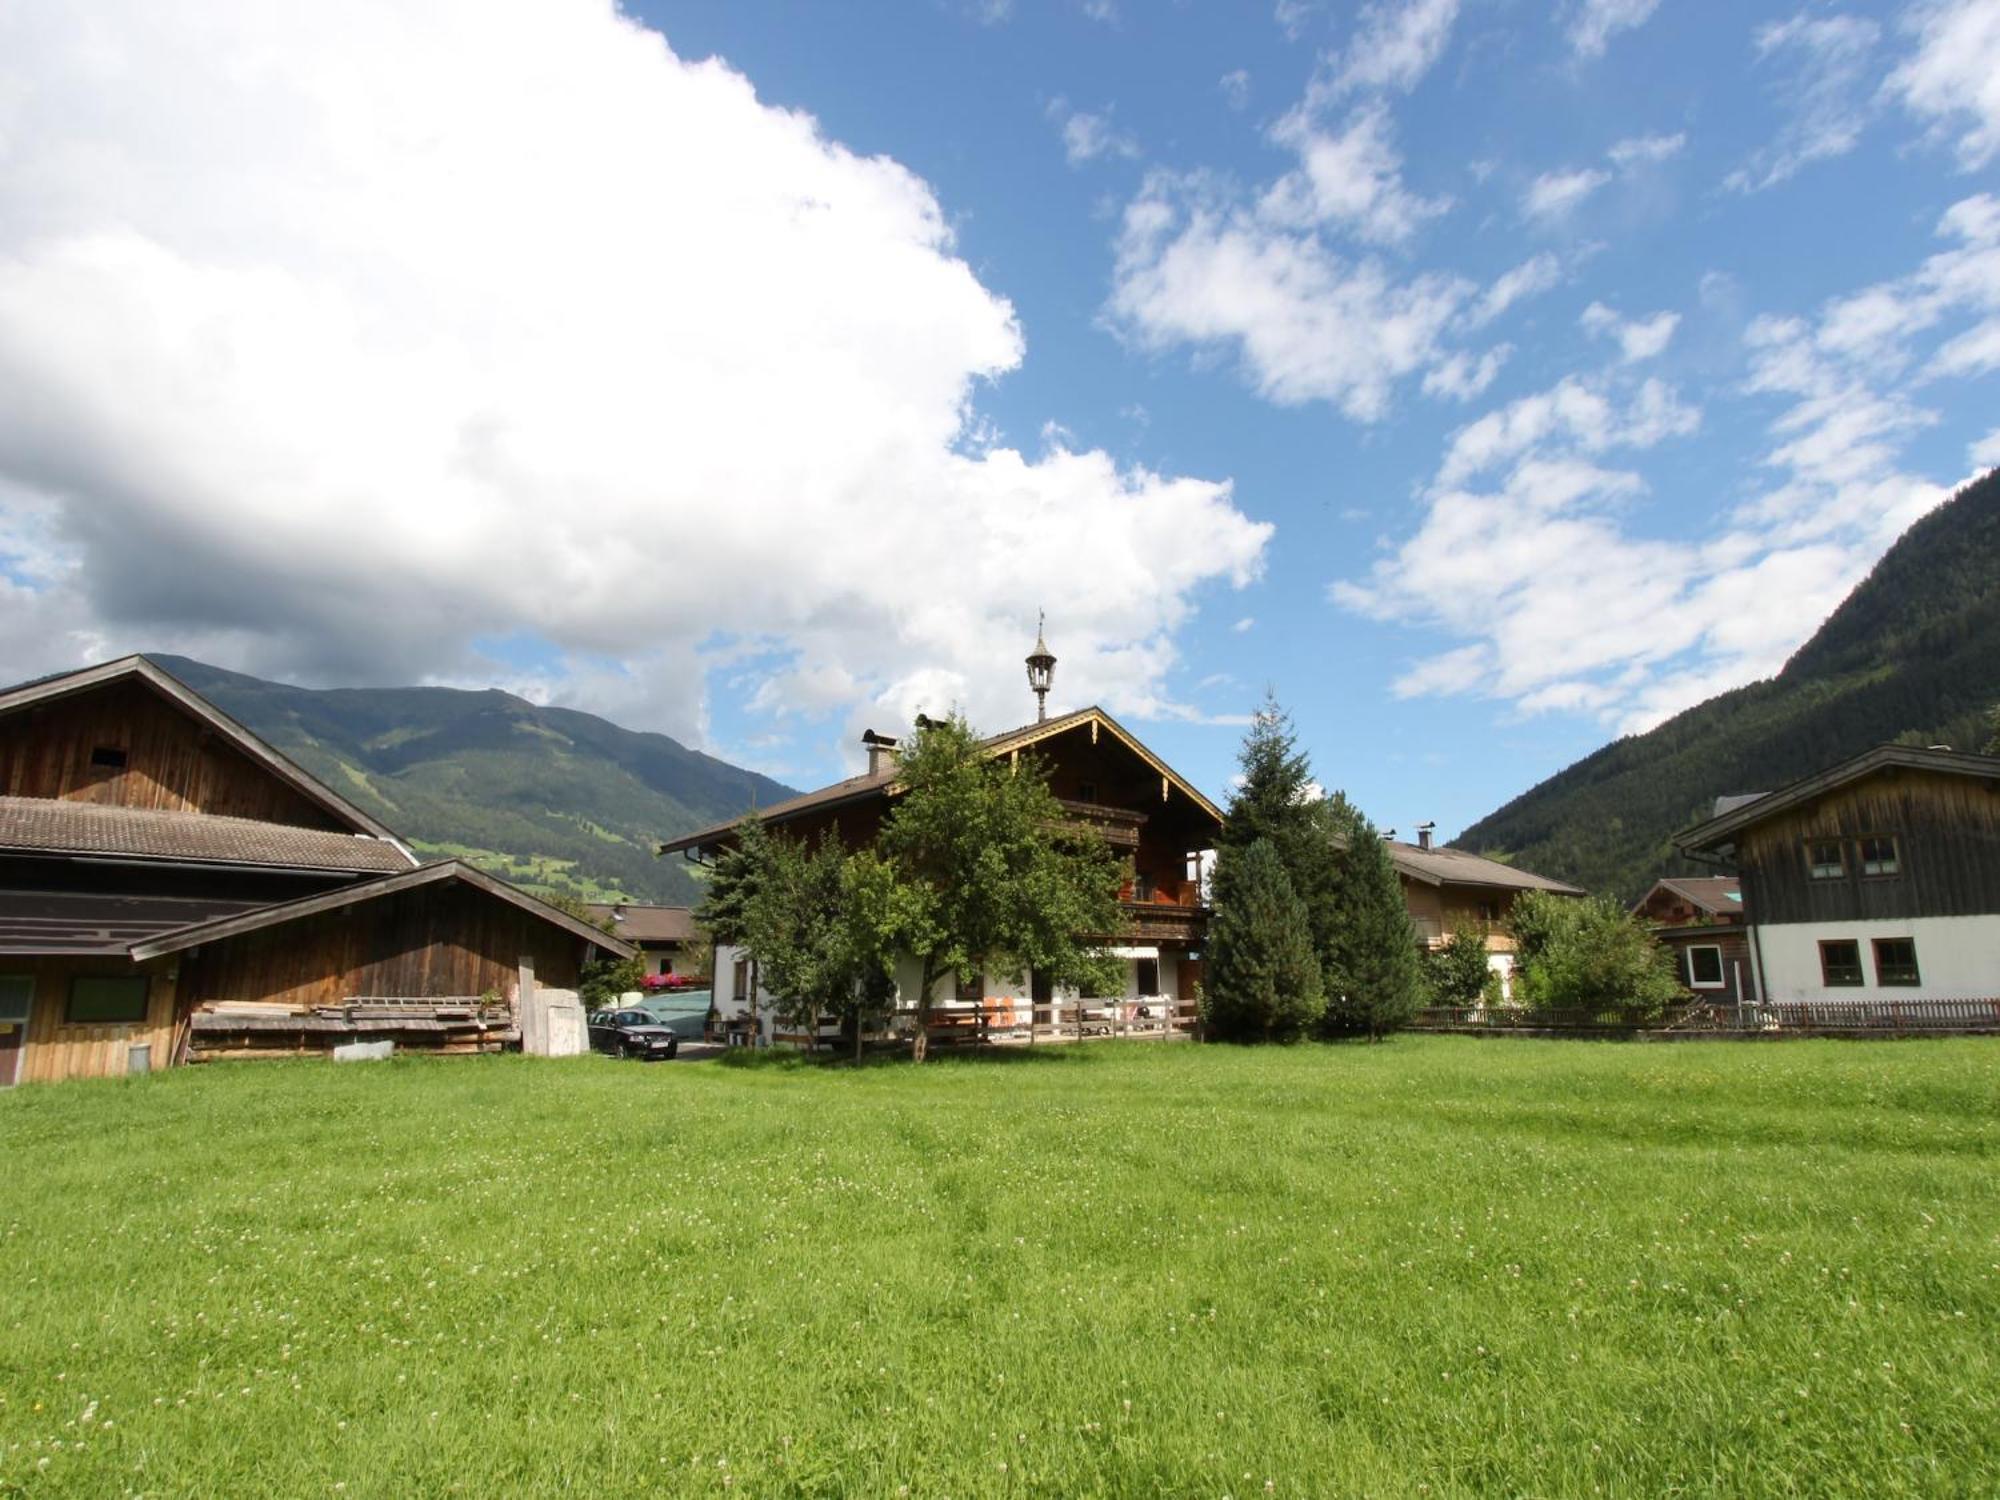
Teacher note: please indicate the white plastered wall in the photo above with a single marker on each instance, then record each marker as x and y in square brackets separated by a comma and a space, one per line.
[1957, 957]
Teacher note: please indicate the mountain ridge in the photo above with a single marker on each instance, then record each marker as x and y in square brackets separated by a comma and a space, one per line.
[1912, 654]
[554, 799]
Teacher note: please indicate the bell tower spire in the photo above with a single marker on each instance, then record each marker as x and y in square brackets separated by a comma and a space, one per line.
[1041, 669]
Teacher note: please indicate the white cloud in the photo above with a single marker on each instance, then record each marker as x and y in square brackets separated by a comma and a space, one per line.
[1638, 338]
[1822, 86]
[322, 355]
[1646, 150]
[1307, 323]
[1087, 136]
[1984, 454]
[1243, 624]
[1553, 196]
[1235, 86]
[1348, 178]
[1952, 79]
[1592, 23]
[1395, 43]
[1464, 376]
[1294, 16]
[1533, 556]
[1530, 278]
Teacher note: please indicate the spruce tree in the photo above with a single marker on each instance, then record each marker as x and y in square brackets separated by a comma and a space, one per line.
[1374, 979]
[1263, 976]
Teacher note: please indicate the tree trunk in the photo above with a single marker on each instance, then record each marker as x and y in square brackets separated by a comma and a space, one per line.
[858, 1019]
[920, 1045]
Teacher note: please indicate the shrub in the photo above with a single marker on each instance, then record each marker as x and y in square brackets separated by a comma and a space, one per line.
[1456, 973]
[1589, 955]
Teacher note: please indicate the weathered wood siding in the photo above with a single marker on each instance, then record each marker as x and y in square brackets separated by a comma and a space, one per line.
[56, 1049]
[448, 939]
[174, 763]
[1947, 831]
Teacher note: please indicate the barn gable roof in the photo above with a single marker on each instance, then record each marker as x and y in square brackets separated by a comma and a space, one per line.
[138, 668]
[1720, 832]
[183, 938]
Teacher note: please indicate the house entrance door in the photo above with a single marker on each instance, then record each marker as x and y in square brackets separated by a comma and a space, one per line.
[17, 996]
[1041, 996]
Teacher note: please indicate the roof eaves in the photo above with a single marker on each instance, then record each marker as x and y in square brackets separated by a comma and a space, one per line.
[1712, 833]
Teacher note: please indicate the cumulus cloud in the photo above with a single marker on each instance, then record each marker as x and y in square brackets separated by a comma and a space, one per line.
[1535, 557]
[343, 343]
[1637, 338]
[1307, 322]
[1952, 79]
[1465, 375]
[1087, 136]
[1592, 23]
[1553, 196]
[1821, 70]
[1349, 177]
[1235, 86]
[1395, 43]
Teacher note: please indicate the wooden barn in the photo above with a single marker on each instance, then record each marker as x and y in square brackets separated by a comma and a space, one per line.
[1699, 919]
[1874, 883]
[172, 888]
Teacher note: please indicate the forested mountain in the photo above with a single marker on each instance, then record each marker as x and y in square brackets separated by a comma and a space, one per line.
[550, 798]
[1913, 654]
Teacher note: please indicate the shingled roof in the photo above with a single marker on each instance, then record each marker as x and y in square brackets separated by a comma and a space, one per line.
[883, 783]
[1456, 867]
[638, 923]
[43, 825]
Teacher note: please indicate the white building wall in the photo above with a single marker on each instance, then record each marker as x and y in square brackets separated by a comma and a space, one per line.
[1957, 957]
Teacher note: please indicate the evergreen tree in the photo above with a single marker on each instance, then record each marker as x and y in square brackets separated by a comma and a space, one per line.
[1263, 977]
[1372, 974]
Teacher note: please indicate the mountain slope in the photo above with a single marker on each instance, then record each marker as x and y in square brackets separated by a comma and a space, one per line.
[549, 797]
[1912, 654]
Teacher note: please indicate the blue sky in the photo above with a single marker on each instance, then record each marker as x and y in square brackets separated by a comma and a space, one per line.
[982, 101]
[1487, 377]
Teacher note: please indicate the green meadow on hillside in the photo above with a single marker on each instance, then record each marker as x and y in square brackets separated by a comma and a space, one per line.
[1440, 1266]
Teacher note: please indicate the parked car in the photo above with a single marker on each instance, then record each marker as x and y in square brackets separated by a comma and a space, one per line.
[632, 1033]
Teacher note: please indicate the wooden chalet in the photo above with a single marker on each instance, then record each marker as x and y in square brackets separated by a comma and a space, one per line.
[172, 888]
[1875, 882]
[1699, 919]
[1448, 890]
[1105, 778]
[665, 936]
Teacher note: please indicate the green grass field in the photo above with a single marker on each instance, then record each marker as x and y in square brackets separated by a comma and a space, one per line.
[1440, 1266]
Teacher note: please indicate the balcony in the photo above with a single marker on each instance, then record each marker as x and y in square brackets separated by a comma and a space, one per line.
[1161, 921]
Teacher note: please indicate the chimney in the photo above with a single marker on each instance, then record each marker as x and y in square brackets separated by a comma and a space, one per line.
[881, 750]
[1424, 835]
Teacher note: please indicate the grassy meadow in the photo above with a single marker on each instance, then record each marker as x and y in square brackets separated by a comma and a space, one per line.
[1440, 1266]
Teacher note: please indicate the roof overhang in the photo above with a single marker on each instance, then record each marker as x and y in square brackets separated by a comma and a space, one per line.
[183, 938]
[1013, 742]
[1719, 834]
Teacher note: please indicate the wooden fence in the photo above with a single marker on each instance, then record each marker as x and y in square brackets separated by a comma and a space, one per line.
[1016, 1024]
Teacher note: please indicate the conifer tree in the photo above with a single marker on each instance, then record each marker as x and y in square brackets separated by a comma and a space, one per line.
[1373, 976]
[1263, 977]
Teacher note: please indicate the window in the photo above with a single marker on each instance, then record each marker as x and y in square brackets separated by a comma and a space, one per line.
[1705, 968]
[16, 992]
[106, 999]
[1896, 961]
[1142, 887]
[107, 758]
[739, 980]
[1086, 791]
[1878, 856]
[1840, 963]
[972, 986]
[1823, 858]
[1149, 975]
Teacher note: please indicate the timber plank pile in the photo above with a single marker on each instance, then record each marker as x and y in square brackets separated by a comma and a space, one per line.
[446, 1024]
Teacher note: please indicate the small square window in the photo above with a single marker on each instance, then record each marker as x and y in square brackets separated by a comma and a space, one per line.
[1878, 856]
[1705, 968]
[1896, 961]
[1840, 963]
[106, 1000]
[1823, 858]
[1086, 791]
[972, 986]
[107, 758]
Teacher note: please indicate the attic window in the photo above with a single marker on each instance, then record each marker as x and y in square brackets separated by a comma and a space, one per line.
[1878, 857]
[107, 758]
[1823, 857]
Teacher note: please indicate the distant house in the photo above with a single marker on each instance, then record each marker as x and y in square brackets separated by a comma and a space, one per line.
[1448, 890]
[1699, 918]
[1107, 781]
[664, 935]
[1877, 879]
[171, 887]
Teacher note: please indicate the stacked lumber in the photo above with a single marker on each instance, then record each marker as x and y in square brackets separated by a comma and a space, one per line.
[452, 1025]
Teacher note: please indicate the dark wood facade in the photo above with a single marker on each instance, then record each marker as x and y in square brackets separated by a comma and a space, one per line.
[122, 744]
[446, 939]
[1946, 834]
